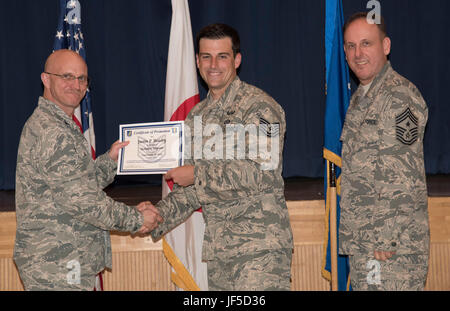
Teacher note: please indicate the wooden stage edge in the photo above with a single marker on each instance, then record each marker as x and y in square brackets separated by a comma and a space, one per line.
[139, 264]
[132, 191]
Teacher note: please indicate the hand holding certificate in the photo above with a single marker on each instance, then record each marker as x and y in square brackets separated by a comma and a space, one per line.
[154, 148]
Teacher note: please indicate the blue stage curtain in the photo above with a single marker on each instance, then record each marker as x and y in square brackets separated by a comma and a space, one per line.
[283, 53]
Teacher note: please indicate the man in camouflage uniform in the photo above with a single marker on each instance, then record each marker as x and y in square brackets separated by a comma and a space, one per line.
[63, 216]
[248, 239]
[384, 213]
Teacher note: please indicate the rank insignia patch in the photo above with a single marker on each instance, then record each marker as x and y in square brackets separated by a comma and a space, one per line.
[406, 127]
[269, 129]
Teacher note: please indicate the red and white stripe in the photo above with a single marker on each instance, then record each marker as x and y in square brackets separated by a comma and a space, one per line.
[89, 133]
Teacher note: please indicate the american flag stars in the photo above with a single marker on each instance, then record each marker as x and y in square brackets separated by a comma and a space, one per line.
[77, 36]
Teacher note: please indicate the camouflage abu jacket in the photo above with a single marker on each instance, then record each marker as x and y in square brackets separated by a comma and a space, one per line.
[383, 187]
[63, 216]
[241, 195]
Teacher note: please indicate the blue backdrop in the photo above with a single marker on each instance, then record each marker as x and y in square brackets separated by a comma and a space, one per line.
[283, 53]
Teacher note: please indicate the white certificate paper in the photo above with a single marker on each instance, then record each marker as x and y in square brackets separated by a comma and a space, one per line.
[154, 148]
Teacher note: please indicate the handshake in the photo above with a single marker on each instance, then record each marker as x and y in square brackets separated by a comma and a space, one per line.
[152, 218]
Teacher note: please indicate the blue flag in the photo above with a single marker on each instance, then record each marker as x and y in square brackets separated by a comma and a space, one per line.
[69, 36]
[337, 101]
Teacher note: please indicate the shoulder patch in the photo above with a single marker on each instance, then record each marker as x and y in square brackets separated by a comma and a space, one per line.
[406, 127]
[269, 129]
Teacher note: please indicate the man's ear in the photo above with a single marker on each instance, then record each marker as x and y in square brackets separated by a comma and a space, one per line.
[387, 46]
[45, 80]
[237, 60]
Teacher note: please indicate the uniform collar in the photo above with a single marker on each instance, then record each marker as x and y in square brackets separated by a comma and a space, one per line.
[377, 82]
[227, 96]
[54, 110]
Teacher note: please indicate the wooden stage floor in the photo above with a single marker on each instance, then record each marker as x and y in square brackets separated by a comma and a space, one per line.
[296, 189]
[139, 264]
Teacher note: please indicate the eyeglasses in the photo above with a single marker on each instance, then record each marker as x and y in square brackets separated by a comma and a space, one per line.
[83, 80]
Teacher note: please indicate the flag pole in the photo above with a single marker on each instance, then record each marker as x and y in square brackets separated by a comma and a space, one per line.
[333, 225]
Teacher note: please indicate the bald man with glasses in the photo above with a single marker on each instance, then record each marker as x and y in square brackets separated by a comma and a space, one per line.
[63, 214]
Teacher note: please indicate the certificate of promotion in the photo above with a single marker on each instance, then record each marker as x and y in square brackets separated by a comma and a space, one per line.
[154, 148]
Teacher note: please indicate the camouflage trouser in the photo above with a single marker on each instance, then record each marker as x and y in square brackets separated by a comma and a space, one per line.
[267, 270]
[400, 272]
[40, 281]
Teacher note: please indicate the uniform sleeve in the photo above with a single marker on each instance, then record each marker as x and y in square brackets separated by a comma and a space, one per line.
[399, 171]
[72, 179]
[175, 208]
[257, 171]
[105, 169]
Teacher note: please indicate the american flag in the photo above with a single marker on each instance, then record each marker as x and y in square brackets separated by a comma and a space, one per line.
[69, 36]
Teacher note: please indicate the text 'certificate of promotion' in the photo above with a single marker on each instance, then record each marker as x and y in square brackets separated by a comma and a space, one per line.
[154, 148]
